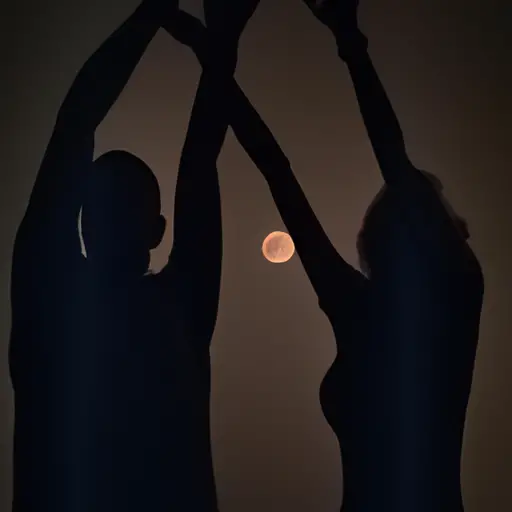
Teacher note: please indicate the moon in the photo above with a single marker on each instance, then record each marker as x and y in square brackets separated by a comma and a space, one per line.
[278, 247]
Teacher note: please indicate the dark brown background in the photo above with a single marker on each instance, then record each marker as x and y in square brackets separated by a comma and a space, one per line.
[446, 68]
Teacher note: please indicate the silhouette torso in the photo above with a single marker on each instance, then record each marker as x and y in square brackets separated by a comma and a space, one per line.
[112, 399]
[397, 393]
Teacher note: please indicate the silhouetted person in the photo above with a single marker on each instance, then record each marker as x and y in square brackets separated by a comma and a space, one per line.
[408, 374]
[407, 328]
[109, 363]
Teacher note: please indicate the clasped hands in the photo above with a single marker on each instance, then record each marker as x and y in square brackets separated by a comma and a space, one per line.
[217, 43]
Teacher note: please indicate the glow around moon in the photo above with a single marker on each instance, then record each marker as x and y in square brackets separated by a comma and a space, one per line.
[278, 247]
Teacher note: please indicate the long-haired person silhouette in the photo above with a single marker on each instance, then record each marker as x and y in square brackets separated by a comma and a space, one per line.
[109, 363]
[407, 326]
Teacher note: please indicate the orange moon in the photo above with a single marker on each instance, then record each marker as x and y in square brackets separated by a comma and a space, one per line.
[278, 247]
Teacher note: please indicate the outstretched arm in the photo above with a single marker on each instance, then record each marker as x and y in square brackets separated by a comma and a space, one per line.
[195, 262]
[382, 125]
[50, 221]
[378, 115]
[324, 266]
[321, 261]
[417, 194]
[194, 267]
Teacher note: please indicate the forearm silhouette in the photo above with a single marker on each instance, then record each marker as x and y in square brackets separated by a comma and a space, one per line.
[382, 125]
[196, 256]
[377, 112]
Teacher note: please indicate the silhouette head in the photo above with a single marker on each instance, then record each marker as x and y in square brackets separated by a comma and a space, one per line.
[121, 218]
[370, 235]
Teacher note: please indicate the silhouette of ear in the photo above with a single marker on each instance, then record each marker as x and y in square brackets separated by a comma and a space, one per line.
[158, 232]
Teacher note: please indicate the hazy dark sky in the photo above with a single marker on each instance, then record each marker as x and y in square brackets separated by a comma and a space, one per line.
[446, 68]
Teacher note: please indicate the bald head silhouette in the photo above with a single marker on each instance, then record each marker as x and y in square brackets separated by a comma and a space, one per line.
[121, 214]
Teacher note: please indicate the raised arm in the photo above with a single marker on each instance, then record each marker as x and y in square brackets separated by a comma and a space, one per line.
[382, 125]
[420, 197]
[195, 262]
[51, 218]
[378, 115]
[324, 266]
[322, 263]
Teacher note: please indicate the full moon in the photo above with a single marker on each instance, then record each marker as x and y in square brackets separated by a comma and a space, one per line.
[278, 247]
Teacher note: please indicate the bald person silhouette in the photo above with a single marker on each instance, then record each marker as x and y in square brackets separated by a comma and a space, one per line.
[407, 325]
[110, 363]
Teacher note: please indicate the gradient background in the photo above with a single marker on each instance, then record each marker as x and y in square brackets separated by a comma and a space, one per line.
[445, 66]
